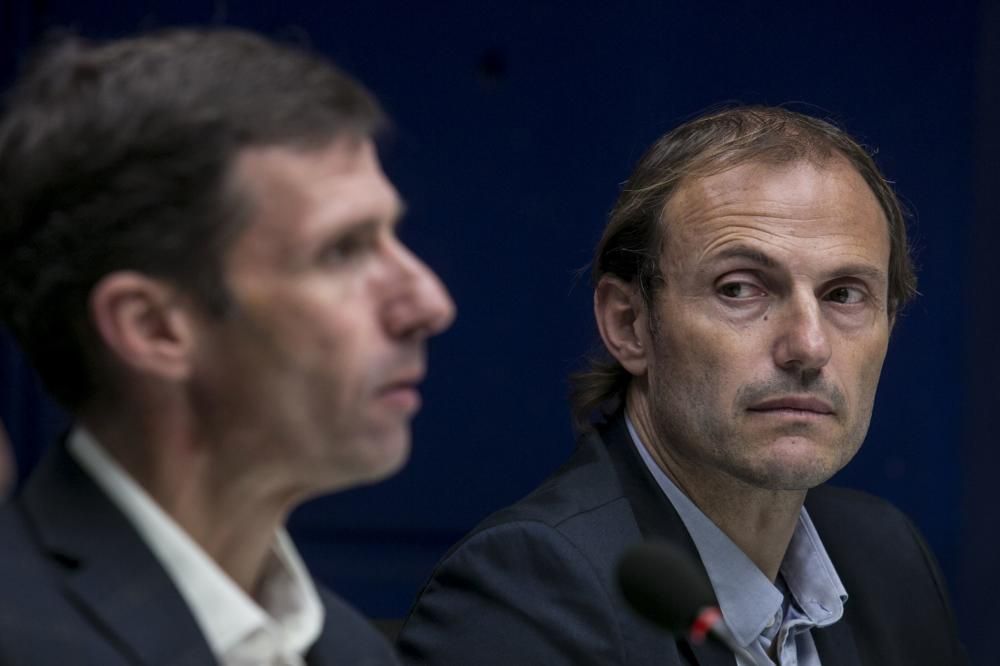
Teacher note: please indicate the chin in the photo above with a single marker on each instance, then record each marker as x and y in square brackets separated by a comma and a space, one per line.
[361, 459]
[393, 466]
[793, 464]
[385, 455]
[795, 474]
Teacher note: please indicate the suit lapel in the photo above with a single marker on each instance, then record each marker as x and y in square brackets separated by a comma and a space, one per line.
[108, 571]
[835, 644]
[657, 519]
[331, 642]
[323, 652]
[654, 513]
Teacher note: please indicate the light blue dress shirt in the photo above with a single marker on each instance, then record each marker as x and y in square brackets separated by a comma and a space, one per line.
[808, 592]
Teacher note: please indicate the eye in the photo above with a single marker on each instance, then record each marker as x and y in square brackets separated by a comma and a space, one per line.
[740, 290]
[846, 295]
[347, 248]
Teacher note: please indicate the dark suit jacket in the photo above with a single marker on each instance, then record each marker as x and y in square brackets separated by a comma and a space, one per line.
[78, 586]
[535, 583]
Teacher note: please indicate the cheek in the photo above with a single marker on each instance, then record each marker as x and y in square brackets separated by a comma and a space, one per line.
[697, 363]
[868, 381]
[717, 350]
[864, 367]
[336, 348]
[310, 328]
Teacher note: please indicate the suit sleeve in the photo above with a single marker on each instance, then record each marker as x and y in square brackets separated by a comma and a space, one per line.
[519, 593]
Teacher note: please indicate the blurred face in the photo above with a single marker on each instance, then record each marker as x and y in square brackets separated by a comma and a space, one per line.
[316, 373]
[767, 338]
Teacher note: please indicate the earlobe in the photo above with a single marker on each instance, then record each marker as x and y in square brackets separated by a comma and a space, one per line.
[621, 320]
[143, 325]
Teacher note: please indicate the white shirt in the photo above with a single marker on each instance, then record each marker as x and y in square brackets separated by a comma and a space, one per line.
[278, 631]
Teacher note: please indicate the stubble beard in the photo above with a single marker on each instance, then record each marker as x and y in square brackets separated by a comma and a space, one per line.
[714, 446]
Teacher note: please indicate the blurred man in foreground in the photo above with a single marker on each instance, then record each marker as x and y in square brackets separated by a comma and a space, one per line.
[745, 289]
[200, 258]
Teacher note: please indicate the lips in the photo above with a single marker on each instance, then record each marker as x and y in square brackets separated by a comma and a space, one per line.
[404, 380]
[401, 384]
[803, 404]
[403, 393]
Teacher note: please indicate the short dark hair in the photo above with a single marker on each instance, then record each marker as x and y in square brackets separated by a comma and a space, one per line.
[633, 239]
[116, 156]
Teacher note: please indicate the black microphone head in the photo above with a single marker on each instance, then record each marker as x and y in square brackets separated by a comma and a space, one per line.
[664, 585]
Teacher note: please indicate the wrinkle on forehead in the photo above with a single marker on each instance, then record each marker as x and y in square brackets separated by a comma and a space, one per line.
[789, 239]
[796, 209]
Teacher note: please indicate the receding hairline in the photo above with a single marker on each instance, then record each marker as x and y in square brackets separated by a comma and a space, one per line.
[822, 160]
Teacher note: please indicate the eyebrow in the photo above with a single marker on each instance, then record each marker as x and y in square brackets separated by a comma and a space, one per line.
[395, 219]
[744, 252]
[864, 271]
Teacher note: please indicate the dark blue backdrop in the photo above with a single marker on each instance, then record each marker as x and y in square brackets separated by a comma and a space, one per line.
[515, 122]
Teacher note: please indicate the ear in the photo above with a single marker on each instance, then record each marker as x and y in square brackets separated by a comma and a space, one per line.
[144, 323]
[621, 319]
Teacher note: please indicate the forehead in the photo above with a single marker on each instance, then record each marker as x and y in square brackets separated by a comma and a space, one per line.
[295, 194]
[802, 206]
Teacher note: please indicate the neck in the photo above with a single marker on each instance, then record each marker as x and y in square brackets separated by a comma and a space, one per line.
[760, 521]
[228, 508]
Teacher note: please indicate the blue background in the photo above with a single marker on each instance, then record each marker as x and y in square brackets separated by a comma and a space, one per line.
[515, 122]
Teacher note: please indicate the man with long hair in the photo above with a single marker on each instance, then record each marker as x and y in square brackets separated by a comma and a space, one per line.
[744, 289]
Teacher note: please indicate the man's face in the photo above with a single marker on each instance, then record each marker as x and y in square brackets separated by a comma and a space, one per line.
[769, 331]
[315, 372]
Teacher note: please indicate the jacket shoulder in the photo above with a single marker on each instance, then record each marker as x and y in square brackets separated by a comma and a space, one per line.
[516, 592]
[534, 583]
[852, 522]
[587, 482]
[895, 588]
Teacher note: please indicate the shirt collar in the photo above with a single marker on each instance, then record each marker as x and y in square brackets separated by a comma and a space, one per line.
[748, 599]
[226, 614]
[811, 577]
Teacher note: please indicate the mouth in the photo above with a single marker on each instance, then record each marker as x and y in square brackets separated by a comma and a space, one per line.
[793, 406]
[402, 394]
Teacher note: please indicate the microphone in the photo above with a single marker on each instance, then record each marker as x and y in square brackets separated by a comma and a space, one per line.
[663, 584]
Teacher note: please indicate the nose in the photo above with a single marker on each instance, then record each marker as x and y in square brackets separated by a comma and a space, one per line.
[419, 305]
[802, 344]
